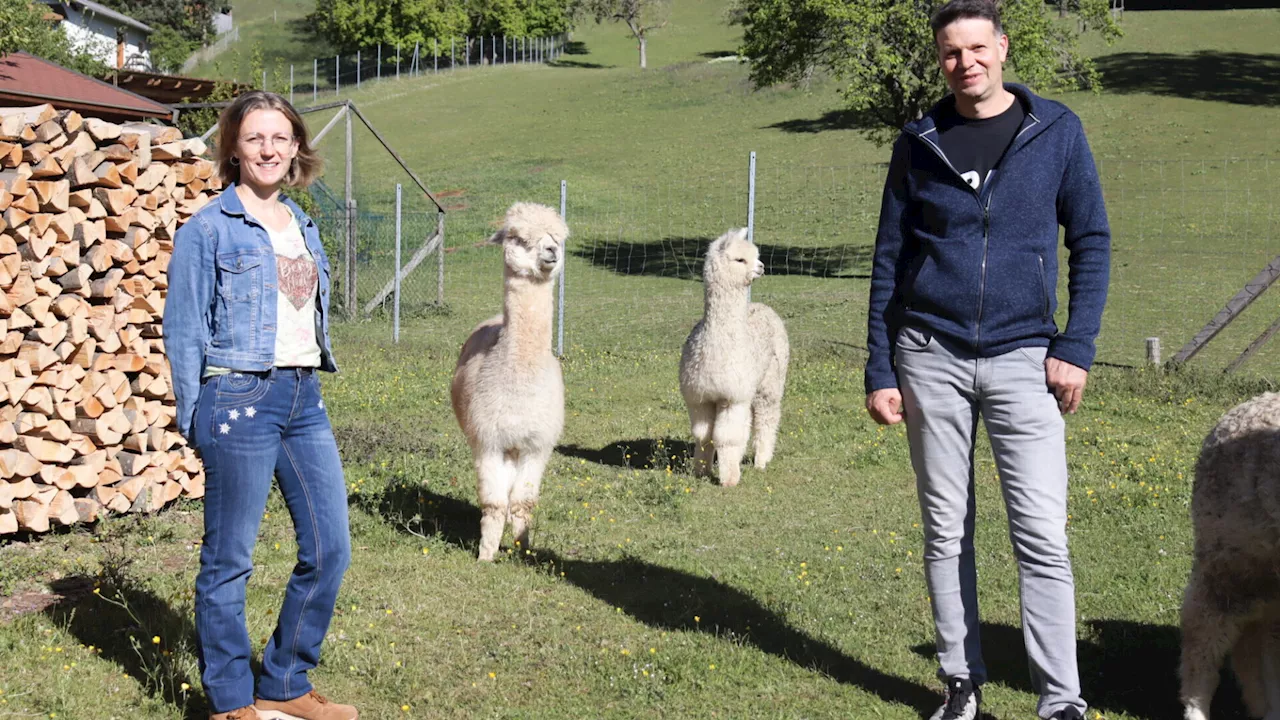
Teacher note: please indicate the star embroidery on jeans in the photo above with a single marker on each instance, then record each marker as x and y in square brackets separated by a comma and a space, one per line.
[234, 414]
[320, 404]
[250, 411]
[224, 428]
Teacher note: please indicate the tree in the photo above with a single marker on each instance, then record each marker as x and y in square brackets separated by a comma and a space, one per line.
[641, 17]
[24, 27]
[192, 19]
[884, 53]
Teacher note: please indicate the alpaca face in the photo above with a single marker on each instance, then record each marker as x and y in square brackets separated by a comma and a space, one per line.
[532, 239]
[733, 260]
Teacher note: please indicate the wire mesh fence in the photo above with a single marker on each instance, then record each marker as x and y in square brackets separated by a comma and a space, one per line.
[326, 78]
[1187, 235]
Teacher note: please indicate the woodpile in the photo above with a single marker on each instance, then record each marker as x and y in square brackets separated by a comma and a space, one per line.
[88, 214]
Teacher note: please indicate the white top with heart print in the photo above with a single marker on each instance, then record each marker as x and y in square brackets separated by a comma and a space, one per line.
[298, 289]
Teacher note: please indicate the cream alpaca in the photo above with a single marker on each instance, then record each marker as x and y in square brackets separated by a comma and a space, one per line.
[508, 393]
[734, 365]
[1232, 601]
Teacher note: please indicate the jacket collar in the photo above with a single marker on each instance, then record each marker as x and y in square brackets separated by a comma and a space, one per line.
[230, 204]
[1041, 113]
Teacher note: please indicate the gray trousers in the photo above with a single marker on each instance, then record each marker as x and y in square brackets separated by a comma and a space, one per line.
[945, 388]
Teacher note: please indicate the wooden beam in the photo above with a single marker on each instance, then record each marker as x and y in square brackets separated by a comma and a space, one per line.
[1236, 305]
[1254, 346]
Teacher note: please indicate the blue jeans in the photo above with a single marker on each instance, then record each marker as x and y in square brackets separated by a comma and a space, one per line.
[945, 389]
[249, 427]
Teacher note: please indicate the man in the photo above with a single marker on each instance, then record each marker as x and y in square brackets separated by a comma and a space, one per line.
[963, 294]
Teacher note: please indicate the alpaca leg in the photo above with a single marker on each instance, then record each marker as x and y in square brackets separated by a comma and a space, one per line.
[493, 484]
[1270, 676]
[730, 438]
[702, 421]
[766, 414]
[524, 494]
[1247, 660]
[1207, 635]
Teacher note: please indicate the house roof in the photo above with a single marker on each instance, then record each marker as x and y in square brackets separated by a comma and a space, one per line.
[168, 89]
[93, 8]
[28, 80]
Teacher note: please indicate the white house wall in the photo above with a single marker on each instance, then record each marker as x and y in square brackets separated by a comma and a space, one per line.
[98, 36]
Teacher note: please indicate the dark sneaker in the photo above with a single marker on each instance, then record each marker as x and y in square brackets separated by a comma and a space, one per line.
[963, 699]
[1067, 713]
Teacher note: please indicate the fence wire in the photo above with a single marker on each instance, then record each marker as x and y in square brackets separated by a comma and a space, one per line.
[1186, 236]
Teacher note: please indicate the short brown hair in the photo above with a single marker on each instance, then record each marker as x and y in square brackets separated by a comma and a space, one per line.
[306, 165]
[964, 10]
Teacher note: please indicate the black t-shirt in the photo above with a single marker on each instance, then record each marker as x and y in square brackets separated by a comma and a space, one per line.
[975, 146]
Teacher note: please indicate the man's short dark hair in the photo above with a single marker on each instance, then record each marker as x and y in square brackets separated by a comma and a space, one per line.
[965, 9]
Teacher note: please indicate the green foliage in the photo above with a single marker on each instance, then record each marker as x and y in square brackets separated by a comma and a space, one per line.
[192, 19]
[884, 53]
[169, 49]
[352, 25]
[194, 123]
[640, 16]
[23, 27]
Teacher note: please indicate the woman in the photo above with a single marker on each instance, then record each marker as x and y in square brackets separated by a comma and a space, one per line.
[246, 327]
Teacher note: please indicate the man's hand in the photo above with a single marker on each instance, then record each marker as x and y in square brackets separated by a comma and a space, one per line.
[885, 406]
[1066, 381]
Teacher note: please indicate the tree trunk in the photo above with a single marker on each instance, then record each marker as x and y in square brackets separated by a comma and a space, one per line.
[643, 58]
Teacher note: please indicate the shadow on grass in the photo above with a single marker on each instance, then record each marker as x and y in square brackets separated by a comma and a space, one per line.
[1231, 77]
[579, 64]
[657, 596]
[1125, 667]
[682, 258]
[833, 120]
[669, 599]
[718, 54]
[120, 623]
[641, 454]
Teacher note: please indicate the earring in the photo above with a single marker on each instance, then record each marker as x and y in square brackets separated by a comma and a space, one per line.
[235, 161]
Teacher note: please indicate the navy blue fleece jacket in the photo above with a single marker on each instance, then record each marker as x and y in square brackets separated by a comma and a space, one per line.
[980, 268]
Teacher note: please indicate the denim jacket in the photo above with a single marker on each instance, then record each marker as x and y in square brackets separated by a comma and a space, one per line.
[221, 309]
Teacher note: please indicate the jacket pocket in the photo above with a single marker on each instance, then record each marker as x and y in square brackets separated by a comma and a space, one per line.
[240, 275]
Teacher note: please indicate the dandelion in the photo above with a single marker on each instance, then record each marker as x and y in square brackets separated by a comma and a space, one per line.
[185, 687]
[493, 676]
[155, 640]
[404, 708]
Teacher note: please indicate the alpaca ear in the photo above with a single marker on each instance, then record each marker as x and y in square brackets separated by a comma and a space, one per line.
[741, 234]
[498, 237]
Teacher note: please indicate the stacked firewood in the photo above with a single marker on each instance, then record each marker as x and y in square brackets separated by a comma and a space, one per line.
[88, 214]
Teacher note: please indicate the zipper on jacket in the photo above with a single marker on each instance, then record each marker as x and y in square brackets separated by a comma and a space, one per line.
[1044, 289]
[986, 215]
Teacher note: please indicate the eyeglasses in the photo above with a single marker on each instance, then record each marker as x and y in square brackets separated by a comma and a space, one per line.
[279, 142]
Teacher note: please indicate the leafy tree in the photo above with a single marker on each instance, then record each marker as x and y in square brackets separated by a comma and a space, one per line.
[192, 19]
[641, 17]
[23, 27]
[169, 49]
[195, 123]
[352, 25]
[883, 51]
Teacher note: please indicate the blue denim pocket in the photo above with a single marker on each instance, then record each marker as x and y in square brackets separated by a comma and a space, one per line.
[241, 388]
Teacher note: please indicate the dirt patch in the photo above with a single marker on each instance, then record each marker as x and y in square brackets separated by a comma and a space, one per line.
[34, 601]
[458, 192]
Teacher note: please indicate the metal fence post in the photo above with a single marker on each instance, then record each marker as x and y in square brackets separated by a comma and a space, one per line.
[264, 79]
[315, 78]
[564, 266]
[337, 74]
[435, 55]
[751, 206]
[395, 332]
[379, 70]
[417, 62]
[504, 49]
[466, 51]
[351, 223]
[440, 259]
[290, 83]
[357, 69]
[397, 59]
[482, 50]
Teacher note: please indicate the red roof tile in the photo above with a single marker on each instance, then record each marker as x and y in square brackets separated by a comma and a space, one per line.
[28, 80]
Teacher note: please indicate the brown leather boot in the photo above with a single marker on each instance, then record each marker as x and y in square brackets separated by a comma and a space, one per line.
[312, 706]
[245, 713]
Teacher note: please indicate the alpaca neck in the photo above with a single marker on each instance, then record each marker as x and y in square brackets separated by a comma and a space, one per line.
[527, 316]
[727, 306]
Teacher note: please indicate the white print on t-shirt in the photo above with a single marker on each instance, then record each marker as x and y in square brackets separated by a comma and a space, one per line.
[971, 177]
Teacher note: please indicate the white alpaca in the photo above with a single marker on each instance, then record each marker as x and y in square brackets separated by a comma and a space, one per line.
[508, 393]
[734, 364]
[1232, 602]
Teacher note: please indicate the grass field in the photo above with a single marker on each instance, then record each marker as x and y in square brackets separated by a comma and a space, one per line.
[798, 594]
